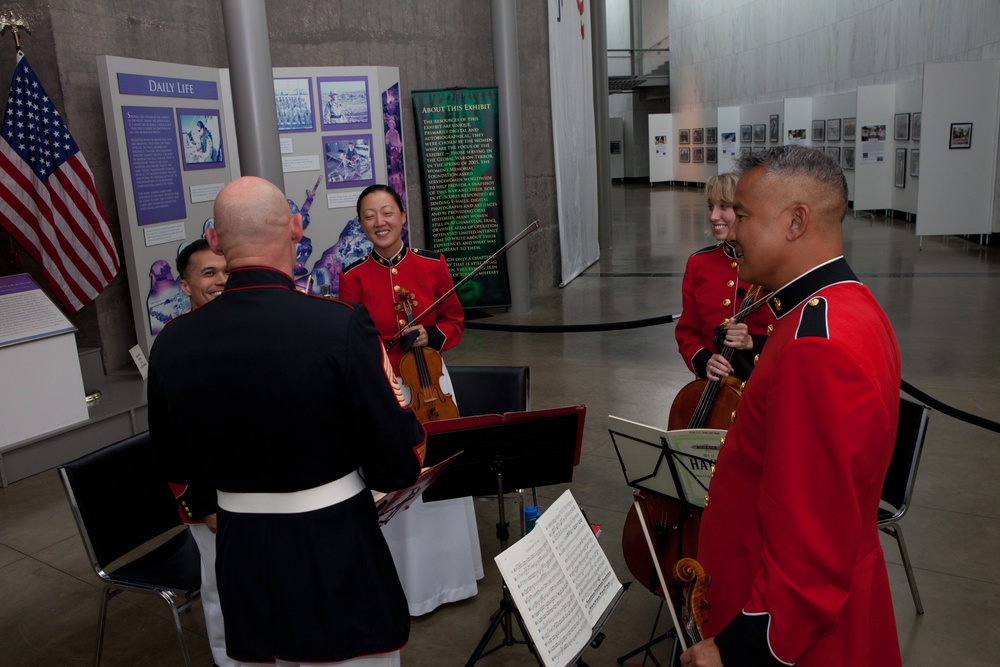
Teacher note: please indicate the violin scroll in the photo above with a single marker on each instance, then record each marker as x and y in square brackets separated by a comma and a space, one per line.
[696, 607]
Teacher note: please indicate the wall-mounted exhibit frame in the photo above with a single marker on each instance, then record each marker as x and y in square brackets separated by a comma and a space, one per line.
[960, 135]
[899, 170]
[850, 129]
[818, 131]
[901, 127]
[833, 129]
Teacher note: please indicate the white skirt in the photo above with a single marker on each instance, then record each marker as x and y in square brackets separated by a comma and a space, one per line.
[435, 547]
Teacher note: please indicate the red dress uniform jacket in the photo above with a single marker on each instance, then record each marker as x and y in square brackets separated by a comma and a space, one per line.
[373, 280]
[789, 531]
[710, 296]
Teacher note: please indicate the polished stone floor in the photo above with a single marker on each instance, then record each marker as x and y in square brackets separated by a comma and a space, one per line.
[941, 296]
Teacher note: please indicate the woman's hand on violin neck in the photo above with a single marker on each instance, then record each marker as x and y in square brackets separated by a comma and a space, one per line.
[421, 339]
[703, 654]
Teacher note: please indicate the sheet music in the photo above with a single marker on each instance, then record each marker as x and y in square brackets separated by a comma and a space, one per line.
[560, 580]
[586, 565]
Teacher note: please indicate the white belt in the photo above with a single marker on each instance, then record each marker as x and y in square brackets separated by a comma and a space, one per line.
[293, 502]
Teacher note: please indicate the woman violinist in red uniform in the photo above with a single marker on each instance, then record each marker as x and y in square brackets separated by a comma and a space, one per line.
[435, 545]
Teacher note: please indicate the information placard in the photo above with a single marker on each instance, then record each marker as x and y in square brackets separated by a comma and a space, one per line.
[457, 133]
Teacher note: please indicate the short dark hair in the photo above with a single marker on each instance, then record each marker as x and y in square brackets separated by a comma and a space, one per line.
[184, 256]
[379, 187]
[795, 160]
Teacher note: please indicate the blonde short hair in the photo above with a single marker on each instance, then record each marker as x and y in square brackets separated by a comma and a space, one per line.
[721, 189]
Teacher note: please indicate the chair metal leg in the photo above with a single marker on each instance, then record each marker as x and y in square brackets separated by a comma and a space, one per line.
[176, 613]
[896, 531]
[101, 619]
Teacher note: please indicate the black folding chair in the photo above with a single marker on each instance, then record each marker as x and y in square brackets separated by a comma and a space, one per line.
[121, 503]
[494, 390]
[898, 486]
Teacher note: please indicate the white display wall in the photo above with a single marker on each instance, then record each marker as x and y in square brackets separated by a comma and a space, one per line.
[874, 154]
[957, 183]
[904, 181]
[729, 136]
[836, 112]
[662, 147]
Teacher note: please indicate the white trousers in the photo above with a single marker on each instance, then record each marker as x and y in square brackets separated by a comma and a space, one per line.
[205, 539]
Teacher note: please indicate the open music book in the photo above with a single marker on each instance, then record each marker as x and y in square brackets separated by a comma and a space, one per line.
[560, 581]
[389, 504]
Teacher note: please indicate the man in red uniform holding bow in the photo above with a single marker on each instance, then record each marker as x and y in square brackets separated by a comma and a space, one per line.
[789, 531]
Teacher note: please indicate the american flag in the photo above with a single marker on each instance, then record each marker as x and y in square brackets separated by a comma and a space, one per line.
[48, 202]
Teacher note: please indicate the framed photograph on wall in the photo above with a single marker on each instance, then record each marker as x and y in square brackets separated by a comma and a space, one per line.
[201, 138]
[914, 163]
[772, 129]
[684, 137]
[711, 154]
[850, 129]
[348, 161]
[745, 149]
[900, 173]
[698, 135]
[759, 133]
[819, 130]
[711, 135]
[343, 103]
[915, 128]
[745, 136]
[848, 162]
[902, 125]
[833, 129]
[293, 102]
[698, 154]
[834, 151]
[685, 155]
[961, 135]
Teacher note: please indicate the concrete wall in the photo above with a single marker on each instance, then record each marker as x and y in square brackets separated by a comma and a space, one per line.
[735, 52]
[435, 44]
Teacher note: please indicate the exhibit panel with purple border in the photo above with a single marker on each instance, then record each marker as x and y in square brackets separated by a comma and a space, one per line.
[172, 149]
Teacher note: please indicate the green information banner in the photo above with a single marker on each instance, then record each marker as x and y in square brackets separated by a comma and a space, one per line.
[457, 131]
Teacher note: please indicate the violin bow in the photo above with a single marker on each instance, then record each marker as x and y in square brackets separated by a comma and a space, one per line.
[678, 628]
[532, 227]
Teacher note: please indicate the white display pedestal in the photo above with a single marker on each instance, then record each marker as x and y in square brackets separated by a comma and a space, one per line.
[42, 389]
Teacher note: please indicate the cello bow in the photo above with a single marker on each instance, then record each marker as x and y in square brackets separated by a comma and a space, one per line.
[678, 628]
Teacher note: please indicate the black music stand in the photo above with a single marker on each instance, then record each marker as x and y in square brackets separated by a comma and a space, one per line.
[649, 463]
[503, 453]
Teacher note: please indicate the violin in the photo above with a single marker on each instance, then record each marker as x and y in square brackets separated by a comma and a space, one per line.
[696, 607]
[421, 369]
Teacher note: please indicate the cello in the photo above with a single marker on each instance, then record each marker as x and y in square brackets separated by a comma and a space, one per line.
[701, 403]
[704, 403]
[421, 369]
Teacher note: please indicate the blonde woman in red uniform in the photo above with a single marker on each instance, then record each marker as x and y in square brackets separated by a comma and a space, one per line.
[435, 545]
[713, 293]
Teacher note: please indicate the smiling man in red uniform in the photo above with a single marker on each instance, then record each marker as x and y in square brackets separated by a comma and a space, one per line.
[789, 530]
